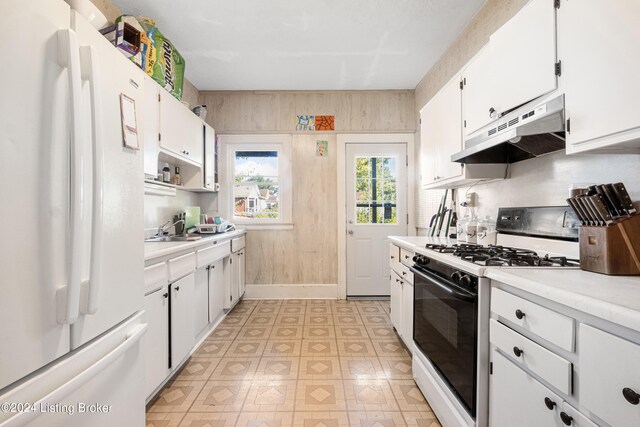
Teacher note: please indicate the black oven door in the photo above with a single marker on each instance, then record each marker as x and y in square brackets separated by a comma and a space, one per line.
[445, 326]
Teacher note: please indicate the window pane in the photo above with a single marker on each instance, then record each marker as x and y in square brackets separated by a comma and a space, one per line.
[256, 193]
[376, 190]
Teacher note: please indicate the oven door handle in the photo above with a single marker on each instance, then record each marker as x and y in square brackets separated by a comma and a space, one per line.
[454, 292]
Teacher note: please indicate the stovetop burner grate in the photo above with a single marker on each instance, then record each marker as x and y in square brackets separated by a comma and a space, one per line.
[497, 255]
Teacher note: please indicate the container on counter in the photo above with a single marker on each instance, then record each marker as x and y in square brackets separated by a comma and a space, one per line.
[486, 232]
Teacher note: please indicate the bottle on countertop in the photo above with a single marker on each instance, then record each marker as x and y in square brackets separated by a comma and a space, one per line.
[176, 177]
[453, 226]
[166, 173]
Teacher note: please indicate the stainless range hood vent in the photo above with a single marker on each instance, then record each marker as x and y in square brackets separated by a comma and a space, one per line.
[532, 130]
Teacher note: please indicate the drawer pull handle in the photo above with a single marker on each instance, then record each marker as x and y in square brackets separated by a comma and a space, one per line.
[566, 418]
[631, 396]
[518, 352]
[519, 314]
[550, 403]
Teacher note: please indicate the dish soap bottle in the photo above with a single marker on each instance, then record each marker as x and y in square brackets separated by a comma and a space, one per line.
[166, 173]
[176, 177]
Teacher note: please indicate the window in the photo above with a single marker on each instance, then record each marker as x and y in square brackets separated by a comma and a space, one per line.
[376, 190]
[256, 186]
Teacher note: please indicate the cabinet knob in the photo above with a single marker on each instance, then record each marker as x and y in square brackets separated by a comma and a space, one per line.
[177, 288]
[566, 418]
[519, 314]
[404, 273]
[549, 403]
[492, 113]
[406, 257]
[631, 396]
[397, 280]
[517, 351]
[392, 257]
[166, 295]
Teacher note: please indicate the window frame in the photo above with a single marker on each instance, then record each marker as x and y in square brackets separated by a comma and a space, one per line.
[229, 145]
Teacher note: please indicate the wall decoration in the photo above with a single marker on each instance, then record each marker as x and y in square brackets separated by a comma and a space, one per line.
[325, 123]
[305, 123]
[322, 148]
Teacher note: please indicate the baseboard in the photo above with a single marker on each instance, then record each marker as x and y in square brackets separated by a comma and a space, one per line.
[291, 291]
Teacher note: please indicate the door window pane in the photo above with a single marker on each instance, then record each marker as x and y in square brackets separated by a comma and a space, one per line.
[375, 190]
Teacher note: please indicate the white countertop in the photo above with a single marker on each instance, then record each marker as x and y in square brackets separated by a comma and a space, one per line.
[158, 249]
[612, 298]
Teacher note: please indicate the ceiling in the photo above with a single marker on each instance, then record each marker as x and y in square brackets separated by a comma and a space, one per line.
[307, 45]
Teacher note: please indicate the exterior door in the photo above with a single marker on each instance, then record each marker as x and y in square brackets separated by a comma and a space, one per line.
[376, 201]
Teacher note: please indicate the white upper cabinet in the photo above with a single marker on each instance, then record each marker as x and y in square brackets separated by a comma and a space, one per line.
[598, 46]
[441, 137]
[477, 94]
[150, 113]
[523, 56]
[181, 131]
[517, 66]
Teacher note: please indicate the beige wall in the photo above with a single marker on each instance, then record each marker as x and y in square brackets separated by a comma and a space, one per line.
[308, 253]
[111, 11]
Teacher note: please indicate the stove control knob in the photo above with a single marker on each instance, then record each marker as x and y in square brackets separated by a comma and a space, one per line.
[465, 280]
[456, 276]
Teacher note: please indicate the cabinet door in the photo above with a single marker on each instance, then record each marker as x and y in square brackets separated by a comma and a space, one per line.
[156, 340]
[523, 55]
[201, 300]
[449, 103]
[609, 376]
[598, 46]
[150, 116]
[396, 302]
[407, 315]
[182, 337]
[231, 281]
[477, 93]
[242, 273]
[428, 143]
[216, 290]
[181, 131]
[209, 165]
[516, 399]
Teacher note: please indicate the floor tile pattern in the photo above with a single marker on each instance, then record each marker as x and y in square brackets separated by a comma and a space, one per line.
[297, 363]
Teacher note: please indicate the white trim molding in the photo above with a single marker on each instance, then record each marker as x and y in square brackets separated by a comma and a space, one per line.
[292, 291]
[377, 138]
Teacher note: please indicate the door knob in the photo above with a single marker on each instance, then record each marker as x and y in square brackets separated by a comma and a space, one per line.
[350, 231]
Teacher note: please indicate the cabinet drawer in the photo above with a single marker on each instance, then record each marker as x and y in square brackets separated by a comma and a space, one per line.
[553, 327]
[404, 273]
[208, 255]
[181, 266]
[549, 366]
[237, 244]
[155, 276]
[608, 365]
[406, 257]
[394, 255]
[577, 419]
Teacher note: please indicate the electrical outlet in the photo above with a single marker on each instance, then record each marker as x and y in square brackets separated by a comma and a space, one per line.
[472, 200]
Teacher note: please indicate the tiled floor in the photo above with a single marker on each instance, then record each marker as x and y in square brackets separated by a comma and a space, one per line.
[302, 363]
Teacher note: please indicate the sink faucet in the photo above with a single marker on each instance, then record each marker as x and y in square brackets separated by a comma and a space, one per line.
[161, 229]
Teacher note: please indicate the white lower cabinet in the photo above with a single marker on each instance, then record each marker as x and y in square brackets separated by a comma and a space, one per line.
[609, 377]
[237, 279]
[401, 294]
[216, 290]
[201, 300]
[396, 302]
[156, 340]
[181, 294]
[517, 399]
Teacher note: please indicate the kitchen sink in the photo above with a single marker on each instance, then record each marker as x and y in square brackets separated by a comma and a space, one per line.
[175, 238]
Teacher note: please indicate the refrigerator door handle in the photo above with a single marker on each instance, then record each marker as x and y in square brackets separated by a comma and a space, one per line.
[68, 297]
[91, 72]
[20, 419]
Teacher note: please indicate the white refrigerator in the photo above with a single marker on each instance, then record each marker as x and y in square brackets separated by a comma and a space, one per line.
[71, 209]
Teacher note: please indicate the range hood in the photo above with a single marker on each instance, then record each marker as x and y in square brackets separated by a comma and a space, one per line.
[534, 129]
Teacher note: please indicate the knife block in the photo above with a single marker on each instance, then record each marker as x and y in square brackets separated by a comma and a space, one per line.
[612, 249]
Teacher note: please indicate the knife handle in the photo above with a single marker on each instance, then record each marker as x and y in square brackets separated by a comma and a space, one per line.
[623, 195]
[610, 196]
[578, 210]
[601, 208]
